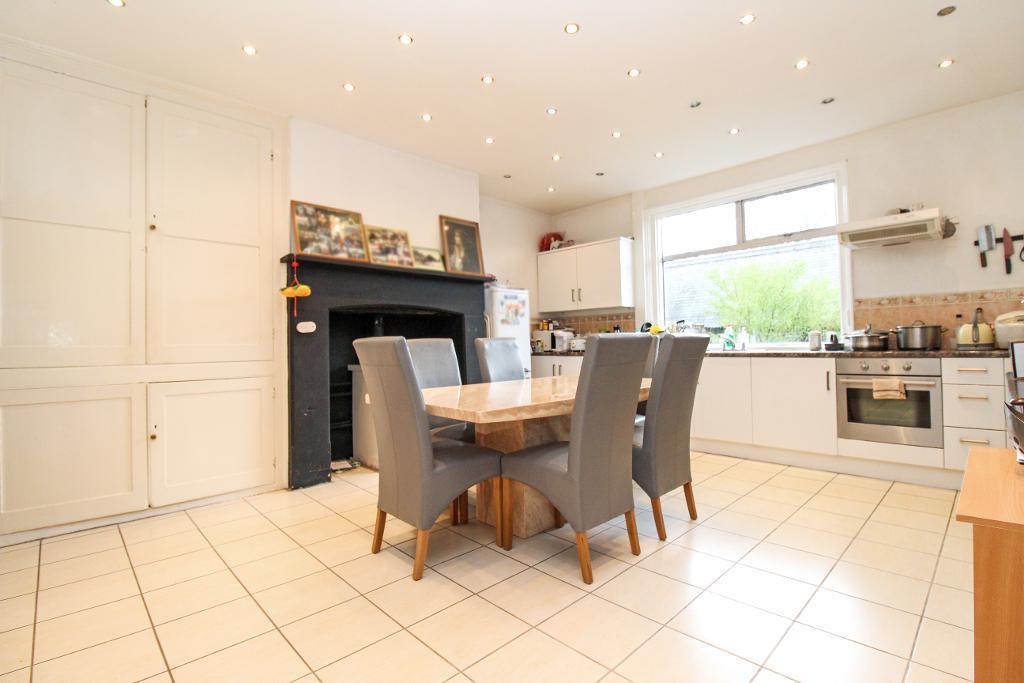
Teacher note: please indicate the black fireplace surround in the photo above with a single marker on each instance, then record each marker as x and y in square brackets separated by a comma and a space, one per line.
[353, 300]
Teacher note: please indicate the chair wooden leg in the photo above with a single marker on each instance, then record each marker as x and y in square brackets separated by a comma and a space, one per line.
[455, 515]
[634, 537]
[506, 513]
[422, 541]
[378, 531]
[499, 528]
[583, 551]
[691, 504]
[464, 508]
[659, 518]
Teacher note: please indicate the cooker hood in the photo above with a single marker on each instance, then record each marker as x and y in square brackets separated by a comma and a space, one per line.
[901, 228]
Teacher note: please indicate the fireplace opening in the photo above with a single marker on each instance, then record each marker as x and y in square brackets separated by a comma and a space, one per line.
[349, 323]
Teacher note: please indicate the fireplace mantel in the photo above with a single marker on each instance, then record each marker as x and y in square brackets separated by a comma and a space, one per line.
[395, 270]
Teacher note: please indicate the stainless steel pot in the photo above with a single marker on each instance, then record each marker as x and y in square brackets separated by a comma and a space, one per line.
[919, 337]
[869, 340]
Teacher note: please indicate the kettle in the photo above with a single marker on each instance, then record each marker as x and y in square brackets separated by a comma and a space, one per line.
[976, 334]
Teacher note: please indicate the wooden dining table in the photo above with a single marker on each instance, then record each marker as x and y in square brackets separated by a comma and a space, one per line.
[508, 417]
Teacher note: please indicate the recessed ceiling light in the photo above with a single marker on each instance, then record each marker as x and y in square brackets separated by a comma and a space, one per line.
[616, 134]
[747, 19]
[550, 189]
[556, 157]
[946, 63]
[802, 63]
[488, 141]
[694, 104]
[250, 50]
[405, 39]
[426, 116]
[507, 176]
[487, 79]
[946, 11]
[551, 111]
[633, 73]
[828, 100]
[599, 174]
[348, 87]
[734, 131]
[658, 155]
[571, 28]
[116, 3]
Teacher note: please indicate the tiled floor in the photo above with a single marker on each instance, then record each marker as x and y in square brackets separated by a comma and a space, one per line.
[788, 574]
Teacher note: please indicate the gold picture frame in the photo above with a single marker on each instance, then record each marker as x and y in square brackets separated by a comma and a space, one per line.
[460, 241]
[329, 232]
[389, 247]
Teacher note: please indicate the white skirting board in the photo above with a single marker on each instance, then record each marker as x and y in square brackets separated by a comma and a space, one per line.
[844, 464]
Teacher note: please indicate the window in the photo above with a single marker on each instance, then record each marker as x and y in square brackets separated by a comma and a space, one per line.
[767, 264]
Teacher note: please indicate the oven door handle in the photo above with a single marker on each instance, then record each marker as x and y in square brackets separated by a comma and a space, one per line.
[908, 382]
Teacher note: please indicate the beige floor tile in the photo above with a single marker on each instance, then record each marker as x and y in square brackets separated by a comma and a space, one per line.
[480, 569]
[156, 527]
[373, 571]
[320, 529]
[366, 516]
[599, 629]
[770, 592]
[918, 673]
[84, 567]
[22, 675]
[806, 473]
[760, 507]
[566, 532]
[256, 547]
[809, 540]
[566, 566]
[789, 562]
[17, 612]
[535, 549]
[789, 481]
[673, 657]
[739, 523]
[944, 647]
[864, 482]
[19, 559]
[293, 515]
[177, 569]
[237, 529]
[956, 548]
[131, 658]
[674, 507]
[955, 574]
[537, 658]
[298, 599]
[166, 678]
[221, 512]
[279, 500]
[330, 635]
[842, 489]
[334, 551]
[742, 630]
[652, 595]
[885, 588]
[397, 532]
[721, 544]
[832, 522]
[724, 482]
[533, 596]
[951, 606]
[766, 676]
[14, 547]
[77, 546]
[188, 597]
[277, 569]
[407, 601]
[614, 542]
[909, 518]
[396, 658]
[778, 494]
[363, 478]
[15, 649]
[83, 629]
[812, 656]
[645, 525]
[468, 631]
[330, 489]
[352, 500]
[918, 503]
[708, 496]
[869, 623]
[960, 529]
[444, 545]
[841, 506]
[691, 566]
[203, 633]
[901, 537]
[268, 657]
[73, 597]
[891, 559]
[21, 582]
[923, 491]
[168, 546]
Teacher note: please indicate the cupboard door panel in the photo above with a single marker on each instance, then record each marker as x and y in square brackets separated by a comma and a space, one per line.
[795, 401]
[722, 406]
[71, 454]
[72, 157]
[556, 281]
[210, 268]
[605, 274]
[212, 437]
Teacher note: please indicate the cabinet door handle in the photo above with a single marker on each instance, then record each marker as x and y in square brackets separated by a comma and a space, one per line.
[579, 294]
[573, 294]
[559, 369]
[828, 380]
[972, 369]
[972, 397]
[983, 442]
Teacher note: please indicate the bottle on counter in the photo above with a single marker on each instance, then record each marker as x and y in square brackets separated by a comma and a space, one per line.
[729, 339]
[744, 339]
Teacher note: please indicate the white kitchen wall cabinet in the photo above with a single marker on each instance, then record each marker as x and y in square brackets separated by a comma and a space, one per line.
[795, 403]
[208, 185]
[586, 276]
[72, 221]
[722, 409]
[71, 454]
[209, 437]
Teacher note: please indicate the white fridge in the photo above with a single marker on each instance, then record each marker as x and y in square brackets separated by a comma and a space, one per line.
[507, 314]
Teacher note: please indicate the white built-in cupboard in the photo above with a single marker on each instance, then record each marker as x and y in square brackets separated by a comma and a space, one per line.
[136, 299]
[586, 276]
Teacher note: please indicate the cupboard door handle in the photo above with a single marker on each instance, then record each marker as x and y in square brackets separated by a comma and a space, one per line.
[152, 437]
[828, 380]
[559, 369]
[983, 442]
[573, 294]
[972, 369]
[972, 397]
[579, 294]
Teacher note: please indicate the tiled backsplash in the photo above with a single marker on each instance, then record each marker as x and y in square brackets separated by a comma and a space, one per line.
[935, 309]
[589, 324]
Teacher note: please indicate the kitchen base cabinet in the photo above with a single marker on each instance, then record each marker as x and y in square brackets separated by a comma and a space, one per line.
[71, 454]
[555, 366]
[794, 403]
[958, 441]
[722, 409]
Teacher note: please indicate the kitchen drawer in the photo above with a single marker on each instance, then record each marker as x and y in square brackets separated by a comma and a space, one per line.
[973, 371]
[972, 405]
[959, 441]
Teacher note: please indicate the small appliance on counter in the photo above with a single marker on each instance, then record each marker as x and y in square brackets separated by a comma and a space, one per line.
[976, 335]
[1009, 328]
[560, 339]
[542, 340]
[578, 344]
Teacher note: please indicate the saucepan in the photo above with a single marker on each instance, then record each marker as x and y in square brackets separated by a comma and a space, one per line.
[919, 337]
[869, 340]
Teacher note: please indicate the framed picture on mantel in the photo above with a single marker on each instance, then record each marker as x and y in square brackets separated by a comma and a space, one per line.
[326, 231]
[460, 240]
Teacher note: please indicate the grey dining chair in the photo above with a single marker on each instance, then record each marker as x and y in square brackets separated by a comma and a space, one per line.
[588, 479]
[419, 475]
[652, 357]
[499, 359]
[661, 446]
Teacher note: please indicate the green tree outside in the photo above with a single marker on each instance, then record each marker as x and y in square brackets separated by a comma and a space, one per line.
[776, 302]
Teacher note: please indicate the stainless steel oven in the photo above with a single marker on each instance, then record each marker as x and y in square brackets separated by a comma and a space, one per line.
[915, 421]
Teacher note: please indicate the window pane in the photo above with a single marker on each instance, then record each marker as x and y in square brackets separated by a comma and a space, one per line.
[778, 214]
[698, 230]
[778, 293]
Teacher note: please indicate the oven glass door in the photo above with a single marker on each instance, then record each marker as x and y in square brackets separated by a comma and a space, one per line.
[915, 421]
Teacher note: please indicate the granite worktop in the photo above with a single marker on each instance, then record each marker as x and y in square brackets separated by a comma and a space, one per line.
[804, 353]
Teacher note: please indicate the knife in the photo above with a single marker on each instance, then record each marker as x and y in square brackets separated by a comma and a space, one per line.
[986, 242]
[1008, 250]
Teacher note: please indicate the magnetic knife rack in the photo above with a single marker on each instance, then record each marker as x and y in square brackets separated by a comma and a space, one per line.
[999, 240]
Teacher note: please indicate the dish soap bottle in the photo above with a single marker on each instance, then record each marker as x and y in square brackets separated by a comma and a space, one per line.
[729, 339]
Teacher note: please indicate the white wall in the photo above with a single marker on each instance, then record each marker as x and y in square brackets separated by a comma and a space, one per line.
[604, 220]
[510, 234]
[968, 161]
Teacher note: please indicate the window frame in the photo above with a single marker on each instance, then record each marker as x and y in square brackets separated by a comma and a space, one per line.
[653, 266]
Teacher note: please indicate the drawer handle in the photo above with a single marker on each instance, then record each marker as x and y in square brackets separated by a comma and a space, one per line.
[972, 369]
[972, 397]
[983, 442]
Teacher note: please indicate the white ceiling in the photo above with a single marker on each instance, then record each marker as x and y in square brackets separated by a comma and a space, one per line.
[877, 58]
